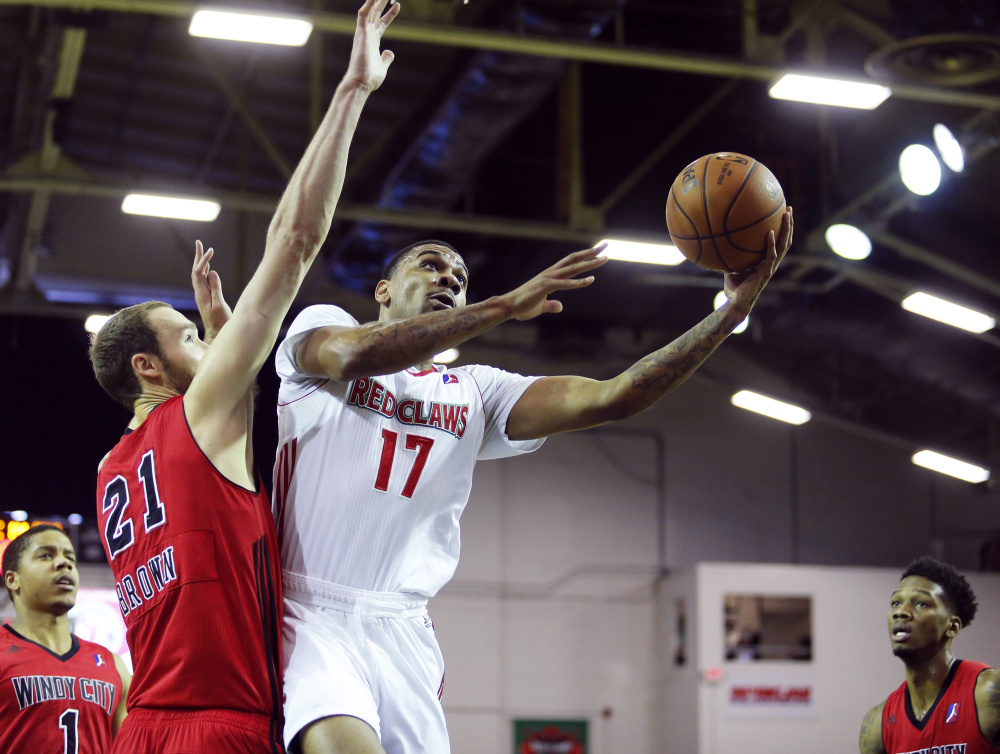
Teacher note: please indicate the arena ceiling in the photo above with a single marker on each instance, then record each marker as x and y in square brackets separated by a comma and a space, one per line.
[520, 130]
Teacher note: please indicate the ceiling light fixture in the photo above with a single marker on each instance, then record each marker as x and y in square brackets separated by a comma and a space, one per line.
[720, 299]
[644, 253]
[95, 322]
[920, 169]
[174, 207]
[848, 241]
[943, 464]
[948, 312]
[819, 90]
[951, 151]
[785, 412]
[447, 356]
[249, 27]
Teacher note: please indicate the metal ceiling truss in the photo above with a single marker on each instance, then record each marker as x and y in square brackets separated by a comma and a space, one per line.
[588, 52]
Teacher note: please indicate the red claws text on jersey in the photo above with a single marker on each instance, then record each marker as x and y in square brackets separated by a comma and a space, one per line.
[374, 396]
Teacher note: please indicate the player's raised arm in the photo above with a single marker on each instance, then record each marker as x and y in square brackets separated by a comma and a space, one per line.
[394, 343]
[564, 404]
[298, 229]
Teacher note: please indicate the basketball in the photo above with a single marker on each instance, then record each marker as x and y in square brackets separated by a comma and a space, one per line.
[720, 210]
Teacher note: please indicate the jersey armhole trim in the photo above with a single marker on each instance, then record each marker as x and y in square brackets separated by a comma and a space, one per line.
[479, 390]
[208, 460]
[320, 386]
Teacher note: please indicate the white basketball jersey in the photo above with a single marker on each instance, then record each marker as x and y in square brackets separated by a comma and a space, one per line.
[372, 475]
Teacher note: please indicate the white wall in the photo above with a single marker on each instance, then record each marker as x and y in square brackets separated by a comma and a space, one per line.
[853, 665]
[553, 610]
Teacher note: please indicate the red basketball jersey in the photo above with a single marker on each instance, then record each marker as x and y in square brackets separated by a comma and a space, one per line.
[51, 704]
[198, 581]
[950, 725]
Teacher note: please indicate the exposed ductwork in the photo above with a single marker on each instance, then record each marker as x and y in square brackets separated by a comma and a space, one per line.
[492, 97]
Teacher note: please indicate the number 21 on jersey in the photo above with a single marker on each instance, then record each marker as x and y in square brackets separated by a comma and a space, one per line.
[119, 533]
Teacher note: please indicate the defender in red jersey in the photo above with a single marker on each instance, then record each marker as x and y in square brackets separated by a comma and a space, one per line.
[186, 524]
[945, 706]
[58, 693]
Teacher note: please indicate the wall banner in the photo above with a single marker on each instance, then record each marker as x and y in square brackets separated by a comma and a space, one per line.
[773, 696]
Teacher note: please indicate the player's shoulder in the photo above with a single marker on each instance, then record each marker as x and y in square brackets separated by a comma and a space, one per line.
[321, 315]
[486, 372]
[870, 737]
[988, 684]
[987, 698]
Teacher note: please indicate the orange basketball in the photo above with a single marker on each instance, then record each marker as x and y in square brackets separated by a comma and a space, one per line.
[720, 210]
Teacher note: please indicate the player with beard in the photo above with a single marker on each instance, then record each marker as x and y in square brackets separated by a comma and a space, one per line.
[946, 706]
[377, 447]
[58, 692]
[185, 520]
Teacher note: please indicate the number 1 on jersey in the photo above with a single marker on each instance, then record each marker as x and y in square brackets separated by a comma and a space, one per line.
[418, 443]
[68, 722]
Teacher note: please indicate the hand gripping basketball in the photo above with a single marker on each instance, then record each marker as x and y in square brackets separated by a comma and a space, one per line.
[720, 210]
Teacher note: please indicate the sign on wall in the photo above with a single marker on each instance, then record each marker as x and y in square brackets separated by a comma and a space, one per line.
[550, 737]
[771, 695]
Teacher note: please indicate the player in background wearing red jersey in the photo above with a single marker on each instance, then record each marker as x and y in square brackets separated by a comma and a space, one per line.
[946, 706]
[58, 692]
[376, 453]
[185, 521]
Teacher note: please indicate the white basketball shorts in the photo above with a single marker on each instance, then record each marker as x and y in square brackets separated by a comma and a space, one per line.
[368, 655]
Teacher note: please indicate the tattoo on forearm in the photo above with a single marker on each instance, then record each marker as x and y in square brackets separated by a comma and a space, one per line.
[400, 343]
[661, 371]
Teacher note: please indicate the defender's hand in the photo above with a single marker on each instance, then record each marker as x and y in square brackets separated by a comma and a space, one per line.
[532, 298]
[212, 306]
[368, 66]
[743, 288]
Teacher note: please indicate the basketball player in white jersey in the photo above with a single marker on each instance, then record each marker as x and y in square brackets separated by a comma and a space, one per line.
[376, 452]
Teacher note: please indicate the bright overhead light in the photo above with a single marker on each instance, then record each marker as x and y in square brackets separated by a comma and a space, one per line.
[949, 313]
[644, 253]
[720, 299]
[951, 466]
[848, 241]
[948, 147]
[75, 519]
[173, 207]
[247, 27]
[95, 322]
[19, 515]
[785, 412]
[920, 169]
[446, 357]
[823, 91]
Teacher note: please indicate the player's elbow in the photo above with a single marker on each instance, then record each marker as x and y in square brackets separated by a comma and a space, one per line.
[614, 404]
